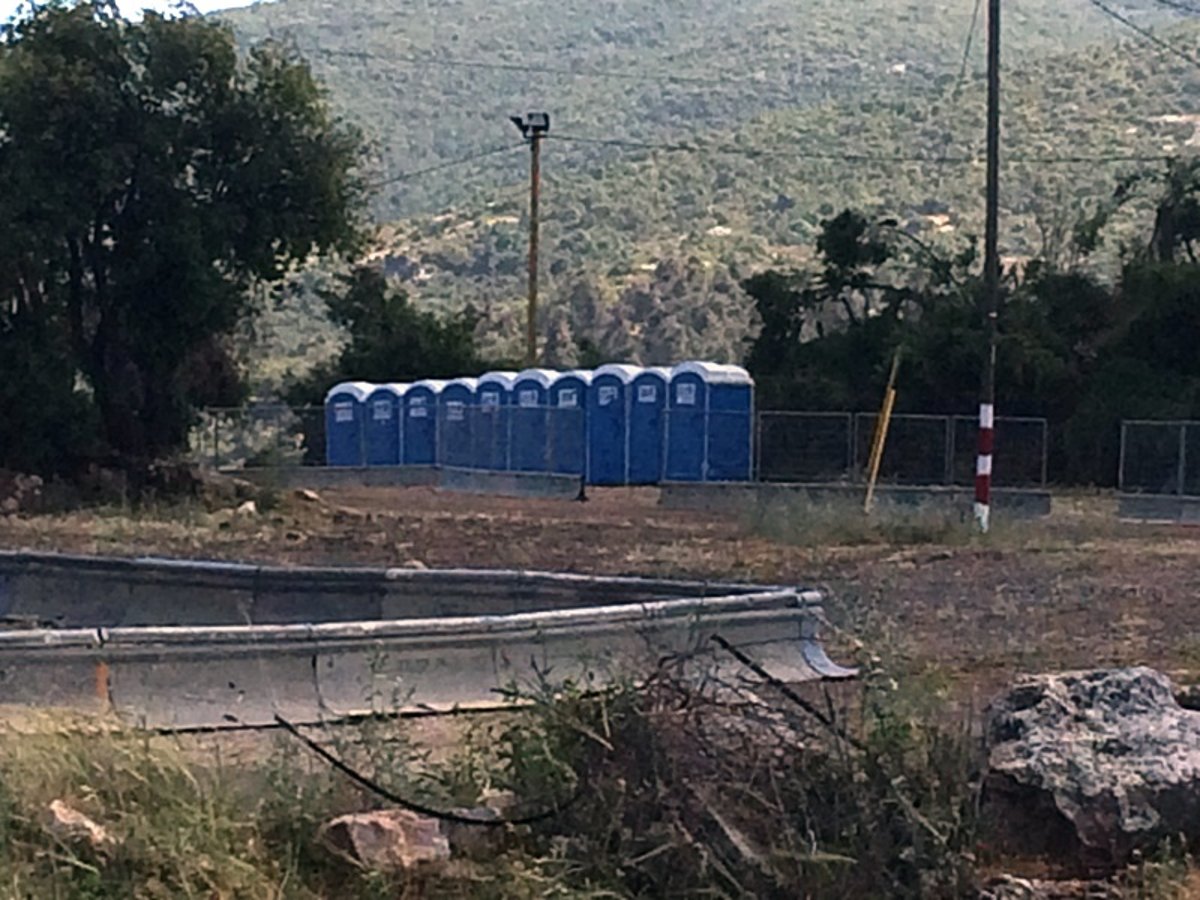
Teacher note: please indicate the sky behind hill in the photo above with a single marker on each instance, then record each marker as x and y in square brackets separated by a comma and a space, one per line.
[129, 7]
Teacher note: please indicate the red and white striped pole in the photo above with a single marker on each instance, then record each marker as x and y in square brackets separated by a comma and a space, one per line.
[983, 466]
[991, 276]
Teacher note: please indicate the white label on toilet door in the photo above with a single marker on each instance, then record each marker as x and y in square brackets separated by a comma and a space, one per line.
[416, 408]
[647, 393]
[381, 411]
[685, 394]
[343, 412]
[606, 395]
[528, 398]
[568, 397]
[454, 411]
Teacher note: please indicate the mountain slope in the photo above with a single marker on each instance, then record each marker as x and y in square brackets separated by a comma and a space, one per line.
[435, 81]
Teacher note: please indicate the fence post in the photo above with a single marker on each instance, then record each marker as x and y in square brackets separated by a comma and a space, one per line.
[1121, 457]
[1182, 474]
[854, 467]
[849, 469]
[1045, 451]
[756, 475]
[948, 449]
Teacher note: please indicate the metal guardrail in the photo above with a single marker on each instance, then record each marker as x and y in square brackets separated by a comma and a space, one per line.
[175, 644]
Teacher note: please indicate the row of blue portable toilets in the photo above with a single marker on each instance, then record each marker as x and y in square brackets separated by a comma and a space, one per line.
[618, 424]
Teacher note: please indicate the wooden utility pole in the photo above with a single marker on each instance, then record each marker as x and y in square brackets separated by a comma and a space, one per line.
[991, 276]
[534, 127]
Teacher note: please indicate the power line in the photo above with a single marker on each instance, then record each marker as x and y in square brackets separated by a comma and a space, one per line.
[755, 152]
[458, 63]
[1146, 34]
[448, 164]
[962, 72]
[1180, 6]
[937, 160]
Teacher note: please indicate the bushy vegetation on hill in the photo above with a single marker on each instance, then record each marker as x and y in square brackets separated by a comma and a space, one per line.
[431, 82]
[727, 177]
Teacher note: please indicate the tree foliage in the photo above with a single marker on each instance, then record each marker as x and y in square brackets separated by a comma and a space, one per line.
[390, 340]
[1073, 348]
[149, 177]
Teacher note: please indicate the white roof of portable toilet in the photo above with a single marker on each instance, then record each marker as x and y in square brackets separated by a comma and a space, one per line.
[584, 375]
[663, 372]
[504, 379]
[356, 389]
[544, 377]
[395, 388]
[468, 383]
[433, 384]
[714, 373]
[623, 371]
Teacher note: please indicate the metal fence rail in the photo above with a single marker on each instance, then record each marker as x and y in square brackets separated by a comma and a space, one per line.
[1160, 457]
[813, 447]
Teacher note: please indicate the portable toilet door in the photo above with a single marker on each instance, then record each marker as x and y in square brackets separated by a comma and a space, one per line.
[492, 426]
[608, 424]
[568, 422]
[382, 424]
[687, 438]
[708, 423]
[530, 438]
[420, 423]
[730, 426]
[344, 404]
[456, 407]
[647, 424]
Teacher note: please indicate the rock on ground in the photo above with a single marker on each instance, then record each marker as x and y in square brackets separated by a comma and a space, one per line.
[1107, 761]
[387, 840]
[72, 826]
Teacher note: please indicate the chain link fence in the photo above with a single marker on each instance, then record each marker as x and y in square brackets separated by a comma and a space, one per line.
[920, 449]
[1160, 457]
[816, 447]
[259, 435]
[501, 438]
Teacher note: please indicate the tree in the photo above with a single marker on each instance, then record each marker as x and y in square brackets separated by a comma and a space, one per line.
[149, 176]
[390, 340]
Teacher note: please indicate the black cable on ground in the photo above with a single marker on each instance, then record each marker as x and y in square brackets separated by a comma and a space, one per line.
[413, 806]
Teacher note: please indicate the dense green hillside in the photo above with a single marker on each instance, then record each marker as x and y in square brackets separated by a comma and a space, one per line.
[431, 81]
[710, 179]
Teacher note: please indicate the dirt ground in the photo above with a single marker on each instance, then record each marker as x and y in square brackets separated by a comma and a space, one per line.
[1077, 590]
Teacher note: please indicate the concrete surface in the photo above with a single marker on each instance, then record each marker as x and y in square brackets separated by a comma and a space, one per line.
[750, 497]
[319, 477]
[475, 481]
[1168, 508]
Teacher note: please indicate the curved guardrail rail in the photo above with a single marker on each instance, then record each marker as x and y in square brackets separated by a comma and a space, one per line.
[177, 644]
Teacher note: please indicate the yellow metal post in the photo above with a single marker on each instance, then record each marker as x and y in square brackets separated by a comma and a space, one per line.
[881, 430]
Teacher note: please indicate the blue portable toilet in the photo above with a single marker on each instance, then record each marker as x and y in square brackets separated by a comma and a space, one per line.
[530, 438]
[647, 424]
[709, 423]
[492, 432]
[456, 410]
[608, 424]
[567, 447]
[420, 422]
[344, 414]
[382, 423]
